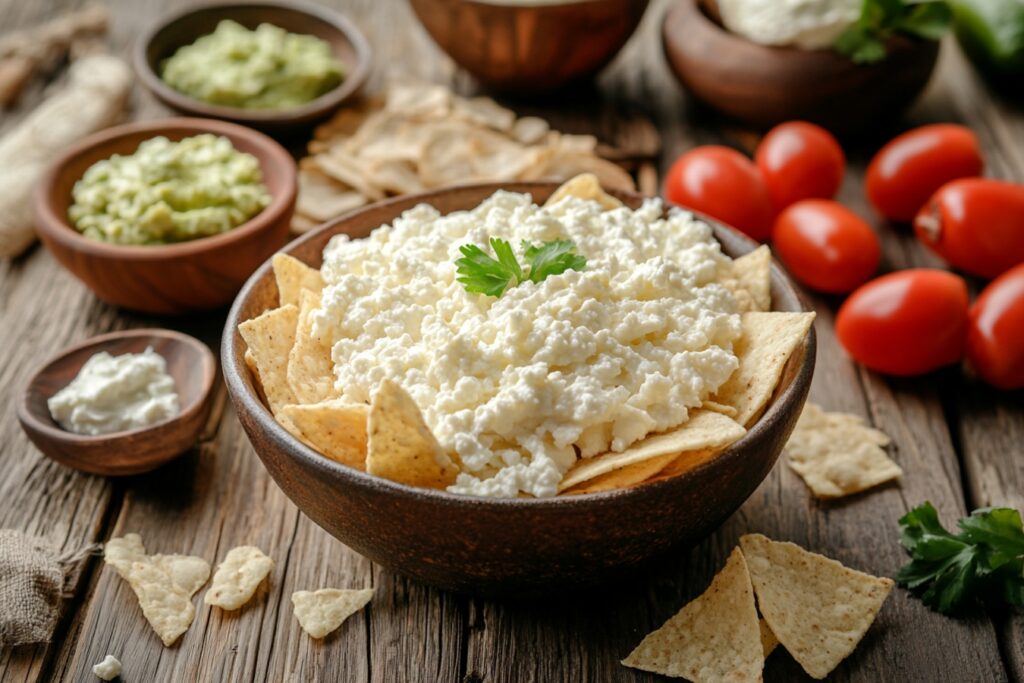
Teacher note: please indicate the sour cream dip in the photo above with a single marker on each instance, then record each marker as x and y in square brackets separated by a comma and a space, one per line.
[116, 394]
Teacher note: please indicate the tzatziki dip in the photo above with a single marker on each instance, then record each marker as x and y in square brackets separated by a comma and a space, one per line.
[807, 24]
[116, 394]
[520, 385]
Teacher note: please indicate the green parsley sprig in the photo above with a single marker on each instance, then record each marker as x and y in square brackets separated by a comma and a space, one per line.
[864, 42]
[984, 563]
[481, 273]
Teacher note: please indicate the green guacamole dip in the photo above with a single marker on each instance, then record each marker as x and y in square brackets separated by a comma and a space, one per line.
[169, 192]
[268, 68]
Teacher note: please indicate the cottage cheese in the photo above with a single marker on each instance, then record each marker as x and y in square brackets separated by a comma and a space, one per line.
[116, 393]
[591, 360]
[108, 669]
[809, 24]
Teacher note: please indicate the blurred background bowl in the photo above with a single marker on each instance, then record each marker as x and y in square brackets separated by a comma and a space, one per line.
[505, 545]
[762, 85]
[525, 48]
[171, 33]
[199, 274]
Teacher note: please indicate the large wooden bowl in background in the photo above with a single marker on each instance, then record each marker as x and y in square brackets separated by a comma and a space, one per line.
[183, 28]
[527, 48]
[763, 85]
[494, 546]
[166, 279]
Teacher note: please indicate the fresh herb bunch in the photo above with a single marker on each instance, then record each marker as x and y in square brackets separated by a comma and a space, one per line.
[984, 563]
[481, 273]
[864, 42]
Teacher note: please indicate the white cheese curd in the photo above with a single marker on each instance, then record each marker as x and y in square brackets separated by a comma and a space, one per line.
[595, 359]
[108, 669]
[116, 393]
[808, 24]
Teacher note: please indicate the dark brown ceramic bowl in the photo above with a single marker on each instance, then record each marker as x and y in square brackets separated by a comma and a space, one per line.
[177, 278]
[762, 85]
[189, 362]
[492, 546]
[524, 48]
[347, 43]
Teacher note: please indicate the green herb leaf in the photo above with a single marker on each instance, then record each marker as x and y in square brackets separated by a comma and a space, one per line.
[984, 563]
[864, 42]
[552, 258]
[480, 273]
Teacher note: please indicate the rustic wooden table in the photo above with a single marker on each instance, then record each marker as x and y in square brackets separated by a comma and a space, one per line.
[961, 446]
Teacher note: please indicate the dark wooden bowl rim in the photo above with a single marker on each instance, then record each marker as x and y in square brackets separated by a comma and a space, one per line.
[330, 100]
[207, 369]
[58, 227]
[241, 389]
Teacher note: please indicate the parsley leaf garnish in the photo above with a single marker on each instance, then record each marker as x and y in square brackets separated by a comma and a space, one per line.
[481, 273]
[864, 42]
[984, 563]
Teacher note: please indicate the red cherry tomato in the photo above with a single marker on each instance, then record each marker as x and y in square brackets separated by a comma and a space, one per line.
[724, 184]
[906, 323]
[825, 245]
[995, 340]
[911, 167]
[800, 160]
[975, 224]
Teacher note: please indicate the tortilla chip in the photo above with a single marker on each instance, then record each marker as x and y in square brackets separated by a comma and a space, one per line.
[237, 577]
[164, 584]
[713, 639]
[817, 608]
[292, 277]
[768, 640]
[321, 198]
[321, 612]
[335, 428]
[270, 338]
[687, 461]
[750, 280]
[310, 369]
[837, 454]
[714, 406]
[584, 186]
[624, 477]
[767, 342]
[400, 446]
[702, 430]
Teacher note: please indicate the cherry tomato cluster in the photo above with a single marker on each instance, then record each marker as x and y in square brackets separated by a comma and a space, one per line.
[903, 323]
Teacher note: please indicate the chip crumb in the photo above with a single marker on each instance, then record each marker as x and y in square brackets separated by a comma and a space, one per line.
[108, 669]
[818, 608]
[713, 639]
[837, 454]
[237, 577]
[321, 612]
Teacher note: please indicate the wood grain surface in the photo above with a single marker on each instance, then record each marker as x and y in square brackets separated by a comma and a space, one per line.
[960, 444]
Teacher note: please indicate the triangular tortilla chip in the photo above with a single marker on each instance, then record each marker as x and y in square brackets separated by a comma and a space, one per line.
[750, 280]
[713, 639]
[292, 277]
[584, 186]
[767, 342]
[400, 445]
[335, 428]
[714, 406]
[837, 454]
[320, 612]
[685, 462]
[768, 640]
[702, 430]
[624, 477]
[310, 369]
[817, 608]
[270, 337]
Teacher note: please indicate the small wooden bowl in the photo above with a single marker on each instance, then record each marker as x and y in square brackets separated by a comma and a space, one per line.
[763, 85]
[523, 48]
[189, 362]
[174, 278]
[509, 545]
[347, 43]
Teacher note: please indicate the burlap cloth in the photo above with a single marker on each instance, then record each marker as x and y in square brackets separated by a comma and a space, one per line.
[32, 576]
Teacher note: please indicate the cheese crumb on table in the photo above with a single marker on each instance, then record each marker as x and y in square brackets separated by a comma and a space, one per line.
[108, 669]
